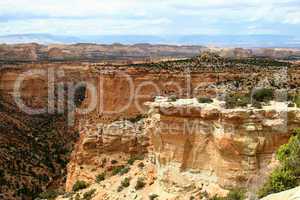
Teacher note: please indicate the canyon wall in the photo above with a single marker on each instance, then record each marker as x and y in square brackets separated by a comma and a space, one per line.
[220, 148]
[121, 92]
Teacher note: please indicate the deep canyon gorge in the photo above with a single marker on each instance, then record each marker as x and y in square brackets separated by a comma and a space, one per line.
[146, 121]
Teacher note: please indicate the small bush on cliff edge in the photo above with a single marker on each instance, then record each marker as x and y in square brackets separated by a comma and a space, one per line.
[287, 176]
[100, 177]
[237, 100]
[79, 185]
[140, 183]
[89, 194]
[132, 159]
[49, 195]
[204, 100]
[263, 95]
[235, 194]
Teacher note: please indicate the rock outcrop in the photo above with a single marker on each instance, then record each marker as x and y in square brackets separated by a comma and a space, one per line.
[292, 194]
[205, 145]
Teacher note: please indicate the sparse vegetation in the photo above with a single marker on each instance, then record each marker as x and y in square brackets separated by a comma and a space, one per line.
[287, 175]
[172, 98]
[49, 195]
[79, 185]
[116, 170]
[126, 182]
[236, 194]
[113, 162]
[236, 100]
[123, 171]
[259, 97]
[204, 100]
[140, 183]
[136, 119]
[135, 158]
[120, 188]
[257, 104]
[153, 196]
[100, 177]
[141, 165]
[297, 101]
[89, 194]
[263, 95]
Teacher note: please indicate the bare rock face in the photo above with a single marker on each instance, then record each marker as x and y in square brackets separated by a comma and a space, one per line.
[217, 148]
[292, 194]
[104, 146]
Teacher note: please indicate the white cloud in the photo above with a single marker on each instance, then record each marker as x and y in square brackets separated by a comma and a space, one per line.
[144, 16]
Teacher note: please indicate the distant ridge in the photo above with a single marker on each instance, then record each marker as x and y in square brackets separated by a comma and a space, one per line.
[269, 41]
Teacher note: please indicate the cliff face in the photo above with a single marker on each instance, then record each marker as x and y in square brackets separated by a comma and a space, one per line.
[189, 150]
[100, 145]
[220, 148]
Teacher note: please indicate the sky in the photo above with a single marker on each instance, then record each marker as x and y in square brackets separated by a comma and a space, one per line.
[150, 17]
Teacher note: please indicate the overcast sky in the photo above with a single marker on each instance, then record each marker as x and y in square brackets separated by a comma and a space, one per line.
[150, 17]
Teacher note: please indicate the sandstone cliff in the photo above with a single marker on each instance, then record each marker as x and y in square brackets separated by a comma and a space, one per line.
[190, 149]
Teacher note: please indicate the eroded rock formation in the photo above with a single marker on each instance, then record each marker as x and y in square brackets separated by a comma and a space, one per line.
[216, 147]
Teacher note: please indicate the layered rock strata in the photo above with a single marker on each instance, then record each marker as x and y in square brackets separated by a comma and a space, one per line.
[218, 148]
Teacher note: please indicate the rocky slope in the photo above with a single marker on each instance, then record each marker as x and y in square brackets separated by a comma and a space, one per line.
[34, 152]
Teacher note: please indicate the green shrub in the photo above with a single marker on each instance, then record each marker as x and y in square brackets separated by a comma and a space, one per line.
[123, 171]
[126, 182]
[49, 195]
[297, 101]
[2, 178]
[89, 194]
[79, 185]
[236, 194]
[280, 180]
[286, 176]
[236, 100]
[291, 105]
[134, 158]
[140, 183]
[120, 188]
[172, 98]
[136, 119]
[263, 95]
[100, 177]
[153, 196]
[77, 197]
[116, 170]
[141, 165]
[68, 195]
[257, 104]
[113, 162]
[204, 100]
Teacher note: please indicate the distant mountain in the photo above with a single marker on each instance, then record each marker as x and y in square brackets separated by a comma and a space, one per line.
[208, 40]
